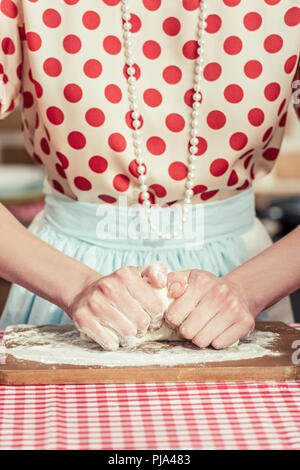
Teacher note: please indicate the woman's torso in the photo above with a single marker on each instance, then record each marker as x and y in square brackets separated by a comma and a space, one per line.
[76, 118]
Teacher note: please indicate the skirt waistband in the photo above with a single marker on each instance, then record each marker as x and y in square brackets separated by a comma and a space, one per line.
[121, 227]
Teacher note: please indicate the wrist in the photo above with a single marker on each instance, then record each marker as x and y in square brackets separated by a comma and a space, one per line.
[246, 287]
[77, 283]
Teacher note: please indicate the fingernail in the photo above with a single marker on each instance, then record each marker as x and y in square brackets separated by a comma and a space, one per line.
[174, 288]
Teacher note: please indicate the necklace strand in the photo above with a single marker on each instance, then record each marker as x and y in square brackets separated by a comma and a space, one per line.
[135, 115]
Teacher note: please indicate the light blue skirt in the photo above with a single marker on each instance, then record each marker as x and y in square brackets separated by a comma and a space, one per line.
[98, 236]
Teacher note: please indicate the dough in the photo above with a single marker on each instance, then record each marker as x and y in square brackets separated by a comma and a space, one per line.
[164, 333]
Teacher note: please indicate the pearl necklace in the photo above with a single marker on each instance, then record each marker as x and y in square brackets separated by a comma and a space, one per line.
[136, 134]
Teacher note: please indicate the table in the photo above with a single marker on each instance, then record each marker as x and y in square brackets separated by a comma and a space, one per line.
[151, 416]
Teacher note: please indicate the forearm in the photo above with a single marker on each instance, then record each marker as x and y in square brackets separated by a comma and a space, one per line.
[37, 266]
[271, 275]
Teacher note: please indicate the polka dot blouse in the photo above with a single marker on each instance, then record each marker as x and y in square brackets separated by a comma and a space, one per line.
[64, 61]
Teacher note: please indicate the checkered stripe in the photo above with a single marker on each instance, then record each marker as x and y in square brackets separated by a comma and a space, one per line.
[151, 416]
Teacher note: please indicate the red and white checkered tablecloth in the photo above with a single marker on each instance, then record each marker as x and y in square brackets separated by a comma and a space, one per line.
[151, 416]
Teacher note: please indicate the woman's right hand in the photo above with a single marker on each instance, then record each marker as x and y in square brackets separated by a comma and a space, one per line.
[116, 308]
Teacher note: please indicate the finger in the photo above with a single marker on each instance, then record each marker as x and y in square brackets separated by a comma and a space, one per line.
[177, 283]
[198, 286]
[214, 328]
[157, 274]
[117, 295]
[108, 315]
[101, 335]
[141, 290]
[210, 313]
[232, 334]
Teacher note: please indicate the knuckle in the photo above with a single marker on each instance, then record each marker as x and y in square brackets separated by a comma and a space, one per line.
[249, 322]
[105, 286]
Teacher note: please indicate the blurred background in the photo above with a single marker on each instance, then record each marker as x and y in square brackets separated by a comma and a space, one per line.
[277, 195]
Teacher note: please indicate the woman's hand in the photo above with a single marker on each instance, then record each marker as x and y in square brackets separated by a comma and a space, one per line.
[115, 308]
[208, 310]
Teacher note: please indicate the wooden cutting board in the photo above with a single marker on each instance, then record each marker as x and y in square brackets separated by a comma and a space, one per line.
[281, 367]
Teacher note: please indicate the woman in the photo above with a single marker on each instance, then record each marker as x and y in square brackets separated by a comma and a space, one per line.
[80, 82]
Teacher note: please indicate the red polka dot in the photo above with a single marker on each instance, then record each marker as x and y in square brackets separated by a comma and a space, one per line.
[281, 107]
[233, 93]
[272, 2]
[252, 21]
[9, 8]
[178, 171]
[121, 182]
[117, 142]
[290, 64]
[34, 41]
[273, 43]
[27, 99]
[292, 16]
[52, 67]
[72, 44]
[37, 158]
[247, 161]
[244, 186]
[271, 154]
[57, 186]
[156, 145]
[132, 167]
[253, 69]
[216, 119]
[233, 179]
[190, 4]
[256, 117]
[51, 18]
[202, 146]
[172, 74]
[38, 89]
[91, 20]
[231, 3]
[112, 44]
[128, 120]
[98, 164]
[45, 146]
[267, 134]
[135, 23]
[110, 3]
[188, 97]
[238, 141]
[212, 71]
[189, 49]
[214, 23]
[233, 45]
[60, 170]
[151, 198]
[151, 49]
[107, 198]
[282, 121]
[272, 91]
[76, 140]
[69, 2]
[92, 68]
[152, 97]
[137, 72]
[175, 122]
[159, 190]
[8, 46]
[152, 4]
[63, 160]
[95, 117]
[82, 183]
[219, 167]
[209, 194]
[171, 26]
[199, 188]
[55, 115]
[113, 93]
[73, 93]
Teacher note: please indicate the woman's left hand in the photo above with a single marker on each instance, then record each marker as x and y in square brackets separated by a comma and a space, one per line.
[208, 310]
